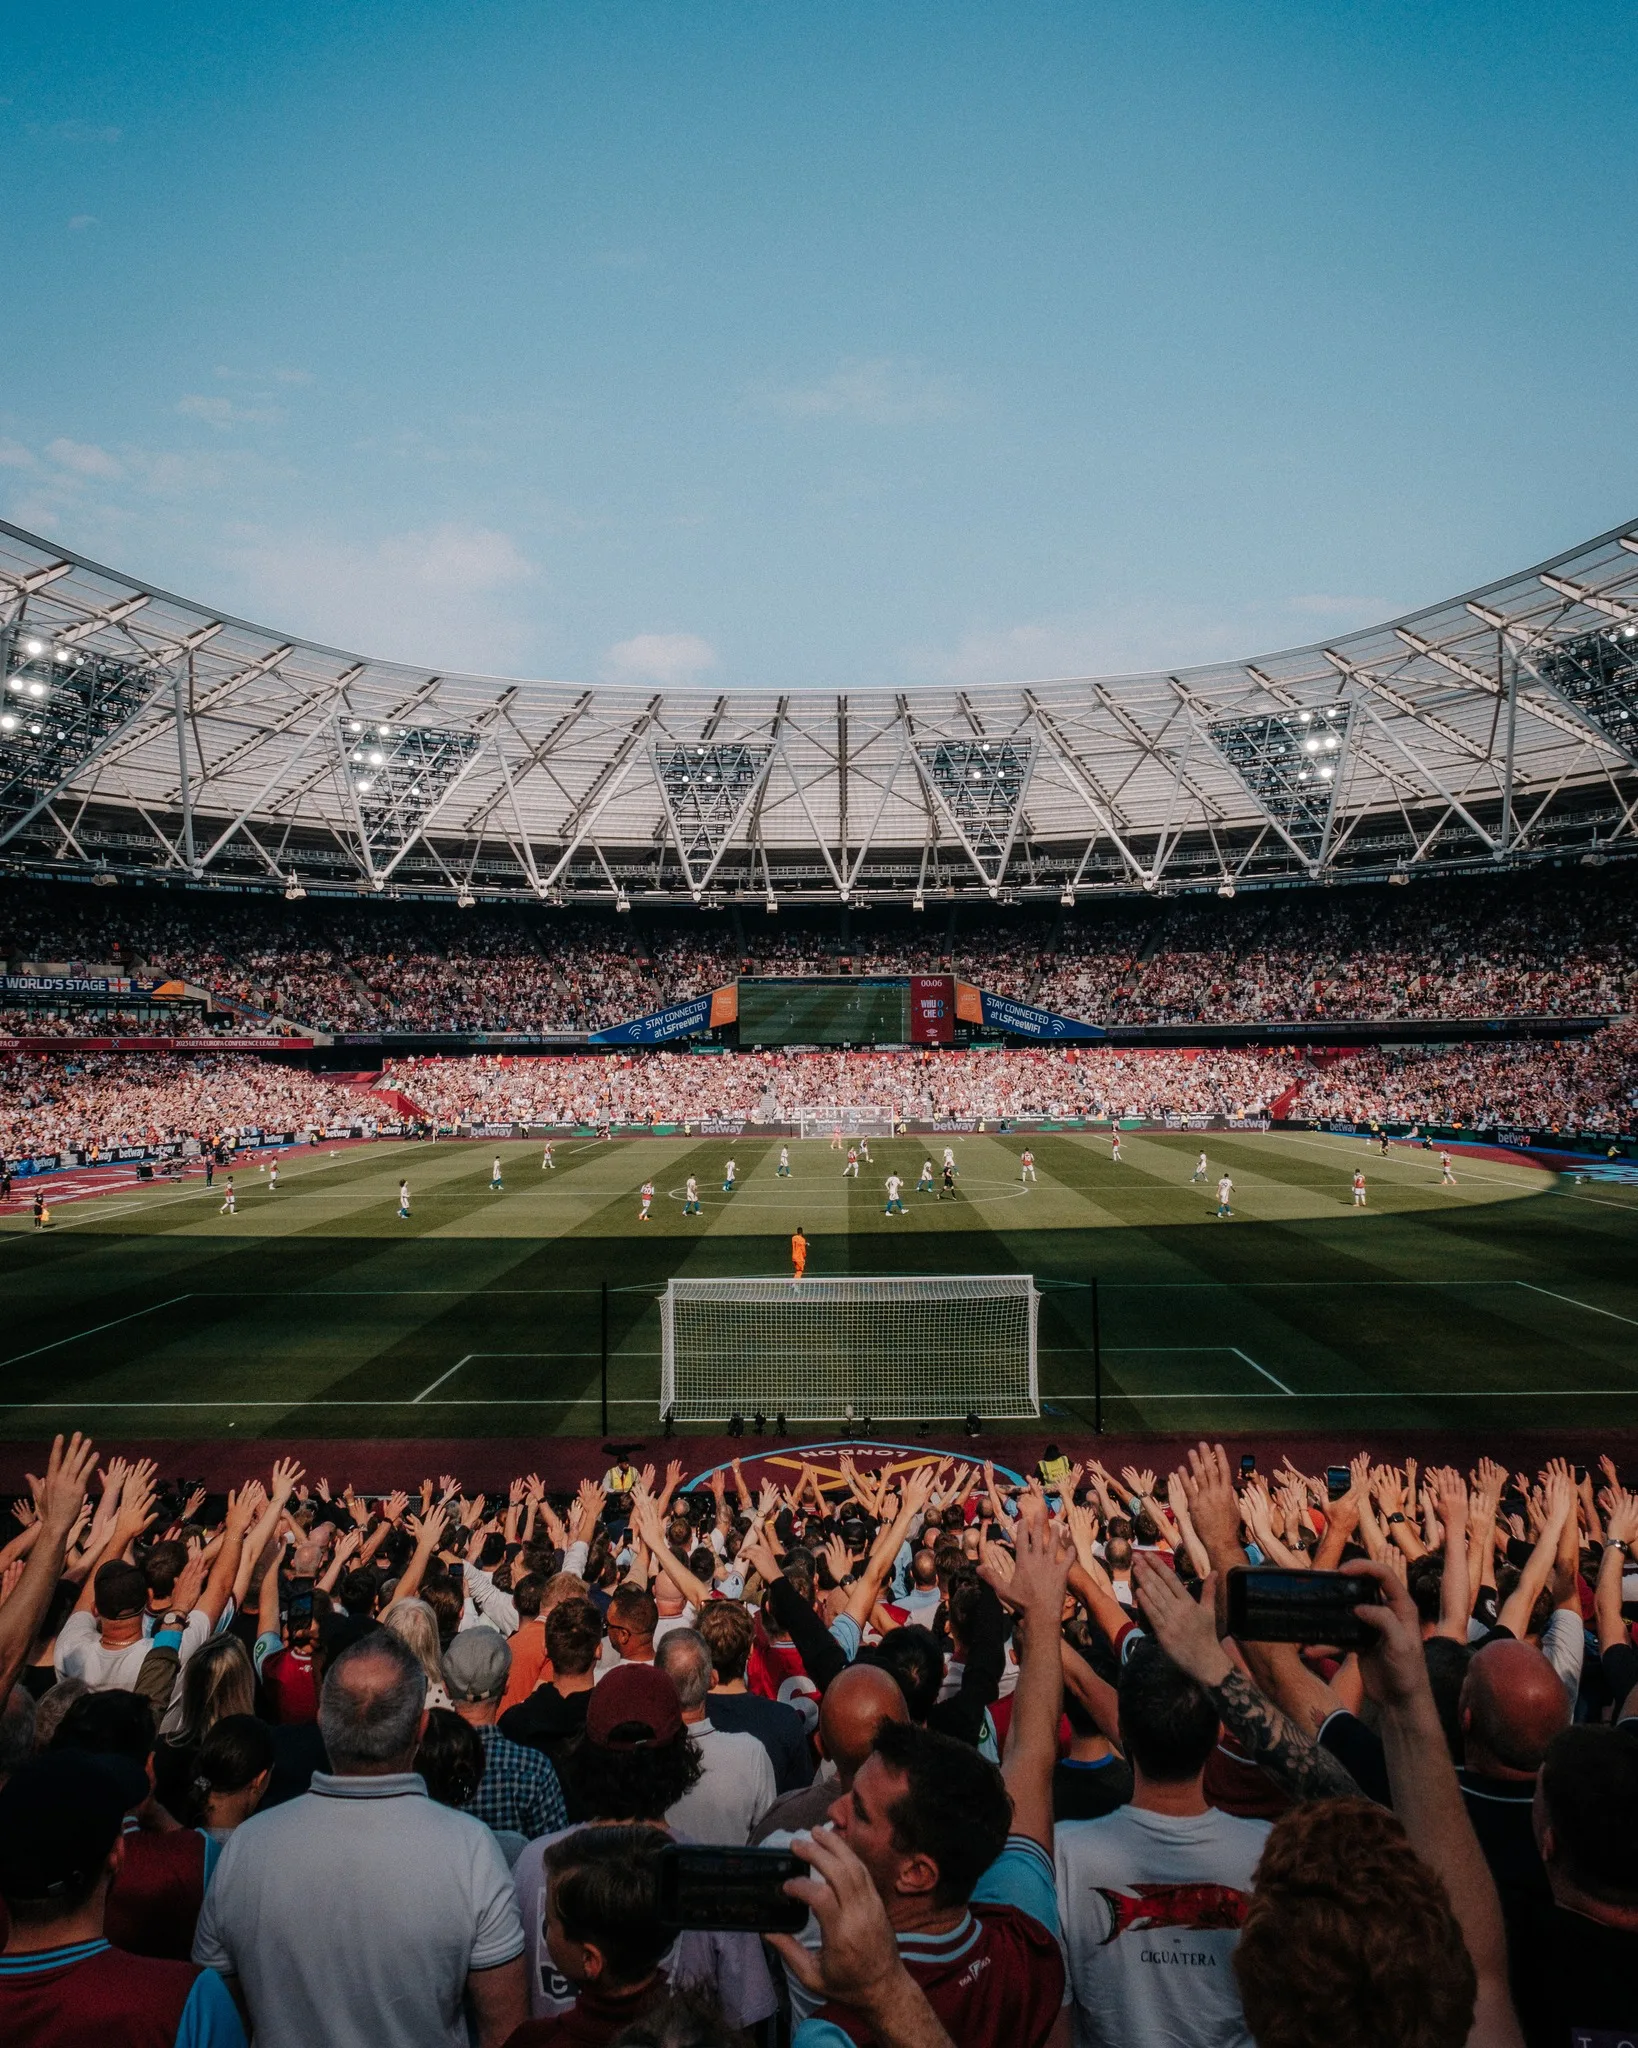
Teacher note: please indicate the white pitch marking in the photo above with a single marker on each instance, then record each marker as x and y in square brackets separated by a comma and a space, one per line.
[96, 1328]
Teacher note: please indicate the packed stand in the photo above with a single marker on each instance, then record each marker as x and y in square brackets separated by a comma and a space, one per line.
[680, 1087]
[1341, 1757]
[1583, 1084]
[95, 1103]
[1550, 943]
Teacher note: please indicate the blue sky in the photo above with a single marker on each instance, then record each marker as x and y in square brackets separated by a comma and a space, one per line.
[829, 344]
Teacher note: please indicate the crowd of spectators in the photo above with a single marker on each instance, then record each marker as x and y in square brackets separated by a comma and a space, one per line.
[772, 1087]
[1552, 943]
[97, 1103]
[429, 1767]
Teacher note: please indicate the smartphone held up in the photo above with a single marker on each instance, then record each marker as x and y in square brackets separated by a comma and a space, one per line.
[1273, 1606]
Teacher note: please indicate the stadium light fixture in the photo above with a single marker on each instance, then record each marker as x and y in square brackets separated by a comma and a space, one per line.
[1399, 878]
[102, 879]
[772, 906]
[1067, 899]
[293, 890]
[1226, 891]
[33, 647]
[918, 901]
[622, 901]
[464, 899]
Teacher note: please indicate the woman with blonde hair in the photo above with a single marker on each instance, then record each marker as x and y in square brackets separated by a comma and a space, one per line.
[415, 1625]
[217, 1680]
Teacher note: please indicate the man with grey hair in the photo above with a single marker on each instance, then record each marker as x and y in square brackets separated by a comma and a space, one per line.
[362, 1914]
[737, 1786]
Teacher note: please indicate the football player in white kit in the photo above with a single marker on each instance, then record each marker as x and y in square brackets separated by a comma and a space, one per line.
[728, 1178]
[645, 1195]
[1199, 1172]
[924, 1186]
[1026, 1165]
[1447, 1177]
[546, 1159]
[784, 1162]
[895, 1190]
[691, 1197]
[1225, 1188]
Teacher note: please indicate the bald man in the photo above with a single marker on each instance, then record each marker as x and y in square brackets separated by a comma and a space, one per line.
[1513, 1705]
[856, 1704]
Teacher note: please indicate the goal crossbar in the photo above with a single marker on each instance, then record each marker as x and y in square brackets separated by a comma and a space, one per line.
[830, 1349]
[852, 1119]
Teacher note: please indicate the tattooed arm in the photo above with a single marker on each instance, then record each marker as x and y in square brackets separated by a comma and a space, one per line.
[1187, 1631]
[1291, 1757]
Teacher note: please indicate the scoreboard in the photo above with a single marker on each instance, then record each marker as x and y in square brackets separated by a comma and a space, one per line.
[847, 1009]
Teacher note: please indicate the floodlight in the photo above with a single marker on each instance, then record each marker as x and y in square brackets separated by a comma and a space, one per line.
[1226, 890]
[293, 890]
[1067, 899]
[62, 654]
[36, 689]
[9, 722]
[464, 899]
[918, 901]
[1399, 878]
[33, 647]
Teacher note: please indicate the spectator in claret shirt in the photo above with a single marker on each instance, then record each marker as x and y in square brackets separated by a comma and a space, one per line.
[62, 1982]
[154, 1904]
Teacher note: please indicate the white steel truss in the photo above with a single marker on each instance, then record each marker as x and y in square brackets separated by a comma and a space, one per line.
[1501, 723]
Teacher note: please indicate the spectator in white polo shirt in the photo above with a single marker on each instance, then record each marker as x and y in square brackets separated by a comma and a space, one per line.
[737, 1785]
[362, 1914]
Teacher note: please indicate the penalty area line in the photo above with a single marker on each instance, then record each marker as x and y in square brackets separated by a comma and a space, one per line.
[1592, 1308]
[96, 1328]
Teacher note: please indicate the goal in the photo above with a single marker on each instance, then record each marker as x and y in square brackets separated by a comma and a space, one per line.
[852, 1119]
[829, 1350]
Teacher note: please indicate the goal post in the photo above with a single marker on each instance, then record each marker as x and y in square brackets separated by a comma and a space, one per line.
[852, 1119]
[901, 1349]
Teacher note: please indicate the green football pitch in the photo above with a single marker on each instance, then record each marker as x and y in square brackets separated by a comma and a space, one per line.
[1511, 1299]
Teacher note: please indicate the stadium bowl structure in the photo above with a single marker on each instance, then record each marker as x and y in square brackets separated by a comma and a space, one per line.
[145, 735]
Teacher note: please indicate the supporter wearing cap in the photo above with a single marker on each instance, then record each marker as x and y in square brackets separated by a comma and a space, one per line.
[634, 1761]
[519, 1791]
[62, 1982]
[363, 1914]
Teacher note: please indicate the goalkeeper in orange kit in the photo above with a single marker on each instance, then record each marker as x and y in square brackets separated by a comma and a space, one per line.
[799, 1253]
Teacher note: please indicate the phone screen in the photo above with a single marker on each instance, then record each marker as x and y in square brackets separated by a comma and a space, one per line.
[1248, 1464]
[732, 1890]
[1270, 1606]
[1336, 1481]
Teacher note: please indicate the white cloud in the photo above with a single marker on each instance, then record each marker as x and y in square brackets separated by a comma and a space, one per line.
[444, 594]
[13, 455]
[84, 458]
[670, 658]
[79, 222]
[223, 413]
[879, 391]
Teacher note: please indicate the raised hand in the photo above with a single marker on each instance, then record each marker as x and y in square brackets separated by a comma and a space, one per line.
[62, 1491]
[1213, 1506]
[1139, 1484]
[190, 1581]
[1185, 1629]
[287, 1476]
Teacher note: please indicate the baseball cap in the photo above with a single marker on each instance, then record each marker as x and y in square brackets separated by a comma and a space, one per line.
[634, 1707]
[60, 1814]
[476, 1665]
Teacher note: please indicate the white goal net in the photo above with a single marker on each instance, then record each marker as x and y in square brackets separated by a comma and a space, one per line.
[830, 1350]
[852, 1119]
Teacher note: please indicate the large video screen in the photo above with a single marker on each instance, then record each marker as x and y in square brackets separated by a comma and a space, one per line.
[843, 1011]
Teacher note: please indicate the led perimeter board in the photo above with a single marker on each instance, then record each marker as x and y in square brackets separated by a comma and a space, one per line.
[839, 1010]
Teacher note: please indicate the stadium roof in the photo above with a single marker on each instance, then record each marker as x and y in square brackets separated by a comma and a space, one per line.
[144, 734]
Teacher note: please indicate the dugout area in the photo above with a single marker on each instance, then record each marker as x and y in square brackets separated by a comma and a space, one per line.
[315, 1312]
